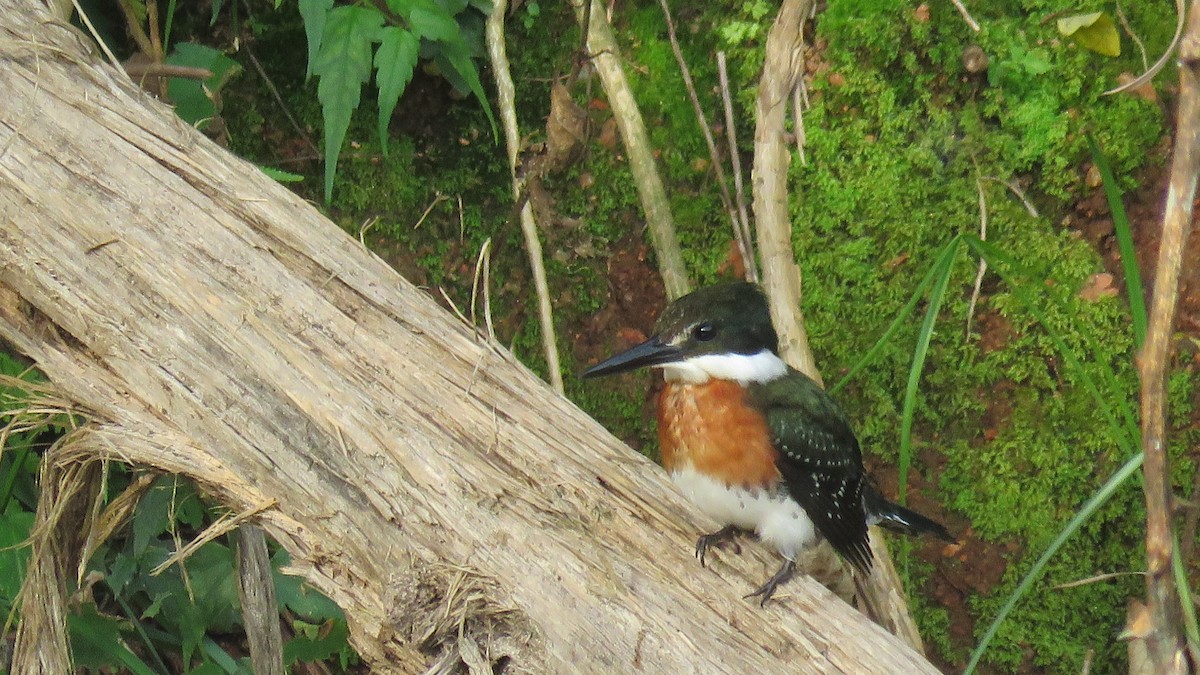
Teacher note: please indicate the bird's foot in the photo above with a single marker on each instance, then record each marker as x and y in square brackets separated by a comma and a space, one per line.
[725, 535]
[786, 571]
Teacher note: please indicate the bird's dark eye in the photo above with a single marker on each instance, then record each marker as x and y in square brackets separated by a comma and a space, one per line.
[704, 332]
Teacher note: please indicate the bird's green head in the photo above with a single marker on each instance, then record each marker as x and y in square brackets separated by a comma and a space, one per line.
[721, 332]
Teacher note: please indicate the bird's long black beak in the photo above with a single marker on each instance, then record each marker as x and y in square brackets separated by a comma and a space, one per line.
[652, 352]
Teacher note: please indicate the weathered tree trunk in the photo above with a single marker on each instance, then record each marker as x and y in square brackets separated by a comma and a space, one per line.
[215, 325]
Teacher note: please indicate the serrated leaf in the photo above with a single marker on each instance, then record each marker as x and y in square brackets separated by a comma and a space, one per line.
[434, 23]
[344, 65]
[314, 13]
[394, 63]
[459, 61]
[1094, 32]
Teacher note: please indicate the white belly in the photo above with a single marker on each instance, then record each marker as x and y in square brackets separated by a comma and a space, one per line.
[772, 514]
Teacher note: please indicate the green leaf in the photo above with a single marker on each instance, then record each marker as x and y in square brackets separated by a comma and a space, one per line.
[96, 643]
[297, 595]
[314, 13]
[1124, 233]
[453, 7]
[455, 56]
[213, 581]
[318, 648]
[169, 496]
[344, 65]
[433, 23]
[1095, 32]
[942, 270]
[394, 63]
[194, 100]
[281, 175]
[216, 9]
[14, 555]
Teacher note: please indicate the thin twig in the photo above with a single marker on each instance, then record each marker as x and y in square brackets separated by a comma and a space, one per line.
[156, 46]
[656, 207]
[135, 28]
[1096, 579]
[746, 252]
[744, 235]
[962, 9]
[1162, 60]
[437, 199]
[1018, 192]
[506, 102]
[139, 70]
[983, 223]
[96, 35]
[262, 72]
[362, 231]
[1088, 657]
[1124, 20]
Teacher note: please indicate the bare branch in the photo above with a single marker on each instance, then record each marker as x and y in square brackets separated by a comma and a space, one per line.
[1166, 644]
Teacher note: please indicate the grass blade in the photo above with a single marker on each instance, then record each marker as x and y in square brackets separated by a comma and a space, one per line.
[1129, 263]
[903, 314]
[1185, 595]
[941, 274]
[1095, 502]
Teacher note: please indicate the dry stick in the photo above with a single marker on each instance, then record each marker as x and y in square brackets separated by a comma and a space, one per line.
[505, 98]
[606, 56]
[739, 237]
[735, 161]
[67, 490]
[983, 223]
[1166, 643]
[781, 275]
[880, 593]
[135, 27]
[962, 9]
[1124, 21]
[798, 105]
[260, 609]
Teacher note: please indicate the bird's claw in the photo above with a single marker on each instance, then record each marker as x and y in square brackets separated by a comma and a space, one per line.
[725, 535]
[786, 571]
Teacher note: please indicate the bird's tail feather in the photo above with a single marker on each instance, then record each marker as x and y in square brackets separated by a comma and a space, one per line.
[901, 519]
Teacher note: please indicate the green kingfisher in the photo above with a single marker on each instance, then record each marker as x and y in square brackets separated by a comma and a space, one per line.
[756, 444]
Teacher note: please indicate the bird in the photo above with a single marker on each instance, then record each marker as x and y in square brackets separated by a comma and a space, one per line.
[754, 443]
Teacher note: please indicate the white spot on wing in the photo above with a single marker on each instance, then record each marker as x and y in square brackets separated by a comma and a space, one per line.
[743, 368]
[775, 516]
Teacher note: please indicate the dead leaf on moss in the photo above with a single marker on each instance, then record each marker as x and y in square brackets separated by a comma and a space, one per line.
[1098, 286]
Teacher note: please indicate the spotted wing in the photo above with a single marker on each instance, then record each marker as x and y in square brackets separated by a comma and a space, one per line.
[819, 460]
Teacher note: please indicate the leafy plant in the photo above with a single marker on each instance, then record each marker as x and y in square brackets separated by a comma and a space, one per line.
[136, 615]
[347, 43]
